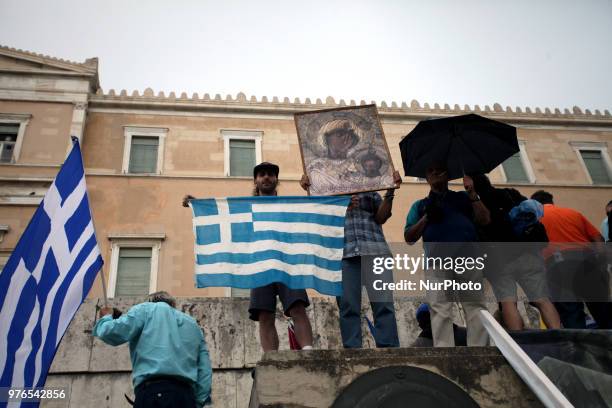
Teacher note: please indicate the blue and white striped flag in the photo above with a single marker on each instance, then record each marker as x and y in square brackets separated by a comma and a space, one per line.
[248, 242]
[46, 278]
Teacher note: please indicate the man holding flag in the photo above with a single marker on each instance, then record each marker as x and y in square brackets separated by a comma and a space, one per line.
[46, 278]
[262, 306]
[275, 245]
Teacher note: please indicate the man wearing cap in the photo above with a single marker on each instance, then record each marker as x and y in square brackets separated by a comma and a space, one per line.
[262, 307]
[449, 217]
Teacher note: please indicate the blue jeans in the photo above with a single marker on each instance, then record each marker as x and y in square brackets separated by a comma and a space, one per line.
[349, 304]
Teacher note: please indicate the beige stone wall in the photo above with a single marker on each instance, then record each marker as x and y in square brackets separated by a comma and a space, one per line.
[193, 164]
[57, 94]
[141, 205]
[194, 144]
[553, 159]
[47, 135]
[17, 218]
[8, 63]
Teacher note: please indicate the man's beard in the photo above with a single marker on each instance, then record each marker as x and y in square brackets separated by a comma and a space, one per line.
[267, 190]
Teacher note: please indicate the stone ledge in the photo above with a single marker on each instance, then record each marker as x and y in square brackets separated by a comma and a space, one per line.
[233, 339]
[316, 378]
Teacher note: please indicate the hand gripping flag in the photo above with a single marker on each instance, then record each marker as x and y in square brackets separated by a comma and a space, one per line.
[46, 278]
[248, 242]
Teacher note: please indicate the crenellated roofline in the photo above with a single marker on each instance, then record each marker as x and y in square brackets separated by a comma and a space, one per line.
[148, 100]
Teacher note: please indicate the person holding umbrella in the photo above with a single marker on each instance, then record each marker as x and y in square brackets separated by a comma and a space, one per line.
[440, 150]
[447, 216]
[465, 144]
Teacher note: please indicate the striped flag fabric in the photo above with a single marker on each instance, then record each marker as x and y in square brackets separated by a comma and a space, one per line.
[46, 278]
[248, 242]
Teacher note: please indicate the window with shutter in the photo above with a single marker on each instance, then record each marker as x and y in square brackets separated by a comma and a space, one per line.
[514, 169]
[143, 154]
[237, 292]
[596, 166]
[242, 151]
[133, 272]
[242, 157]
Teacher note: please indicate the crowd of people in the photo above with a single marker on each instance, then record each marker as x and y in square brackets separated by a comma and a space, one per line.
[166, 363]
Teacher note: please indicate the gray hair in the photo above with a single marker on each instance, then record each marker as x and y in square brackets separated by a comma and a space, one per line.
[162, 296]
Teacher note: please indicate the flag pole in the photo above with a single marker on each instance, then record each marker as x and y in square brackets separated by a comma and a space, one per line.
[103, 279]
[74, 140]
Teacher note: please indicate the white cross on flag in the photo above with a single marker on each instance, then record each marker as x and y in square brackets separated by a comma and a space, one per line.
[46, 278]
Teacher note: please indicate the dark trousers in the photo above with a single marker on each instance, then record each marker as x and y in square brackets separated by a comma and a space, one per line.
[349, 303]
[578, 280]
[164, 393]
[573, 317]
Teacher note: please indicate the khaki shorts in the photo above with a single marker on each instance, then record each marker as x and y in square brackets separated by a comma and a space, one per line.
[527, 270]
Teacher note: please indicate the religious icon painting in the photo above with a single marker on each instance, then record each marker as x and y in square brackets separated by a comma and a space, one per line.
[344, 150]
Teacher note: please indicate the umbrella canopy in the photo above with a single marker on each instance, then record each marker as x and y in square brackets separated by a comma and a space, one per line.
[466, 144]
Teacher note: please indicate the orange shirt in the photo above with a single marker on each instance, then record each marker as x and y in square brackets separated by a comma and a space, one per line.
[567, 225]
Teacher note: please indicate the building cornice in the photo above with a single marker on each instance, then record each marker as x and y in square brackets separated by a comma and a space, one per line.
[52, 66]
[400, 111]
[47, 72]
[89, 66]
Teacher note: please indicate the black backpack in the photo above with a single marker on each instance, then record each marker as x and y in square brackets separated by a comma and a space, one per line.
[534, 233]
[528, 229]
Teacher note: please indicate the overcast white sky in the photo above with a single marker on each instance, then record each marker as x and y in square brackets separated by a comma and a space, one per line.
[546, 53]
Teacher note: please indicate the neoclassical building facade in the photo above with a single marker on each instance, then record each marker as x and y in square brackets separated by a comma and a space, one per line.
[143, 151]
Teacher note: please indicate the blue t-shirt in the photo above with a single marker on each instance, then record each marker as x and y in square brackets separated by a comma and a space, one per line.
[456, 224]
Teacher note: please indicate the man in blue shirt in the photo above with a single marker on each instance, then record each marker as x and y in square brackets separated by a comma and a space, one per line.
[449, 217]
[170, 363]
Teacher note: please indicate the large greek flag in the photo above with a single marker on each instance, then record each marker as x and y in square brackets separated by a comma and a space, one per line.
[247, 242]
[46, 278]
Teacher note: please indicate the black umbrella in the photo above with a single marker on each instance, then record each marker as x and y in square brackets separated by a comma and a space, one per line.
[466, 144]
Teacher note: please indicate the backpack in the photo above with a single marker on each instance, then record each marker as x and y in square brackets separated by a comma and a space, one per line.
[525, 220]
[535, 232]
[499, 202]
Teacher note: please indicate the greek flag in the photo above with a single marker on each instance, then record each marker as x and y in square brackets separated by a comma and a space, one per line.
[248, 242]
[46, 278]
